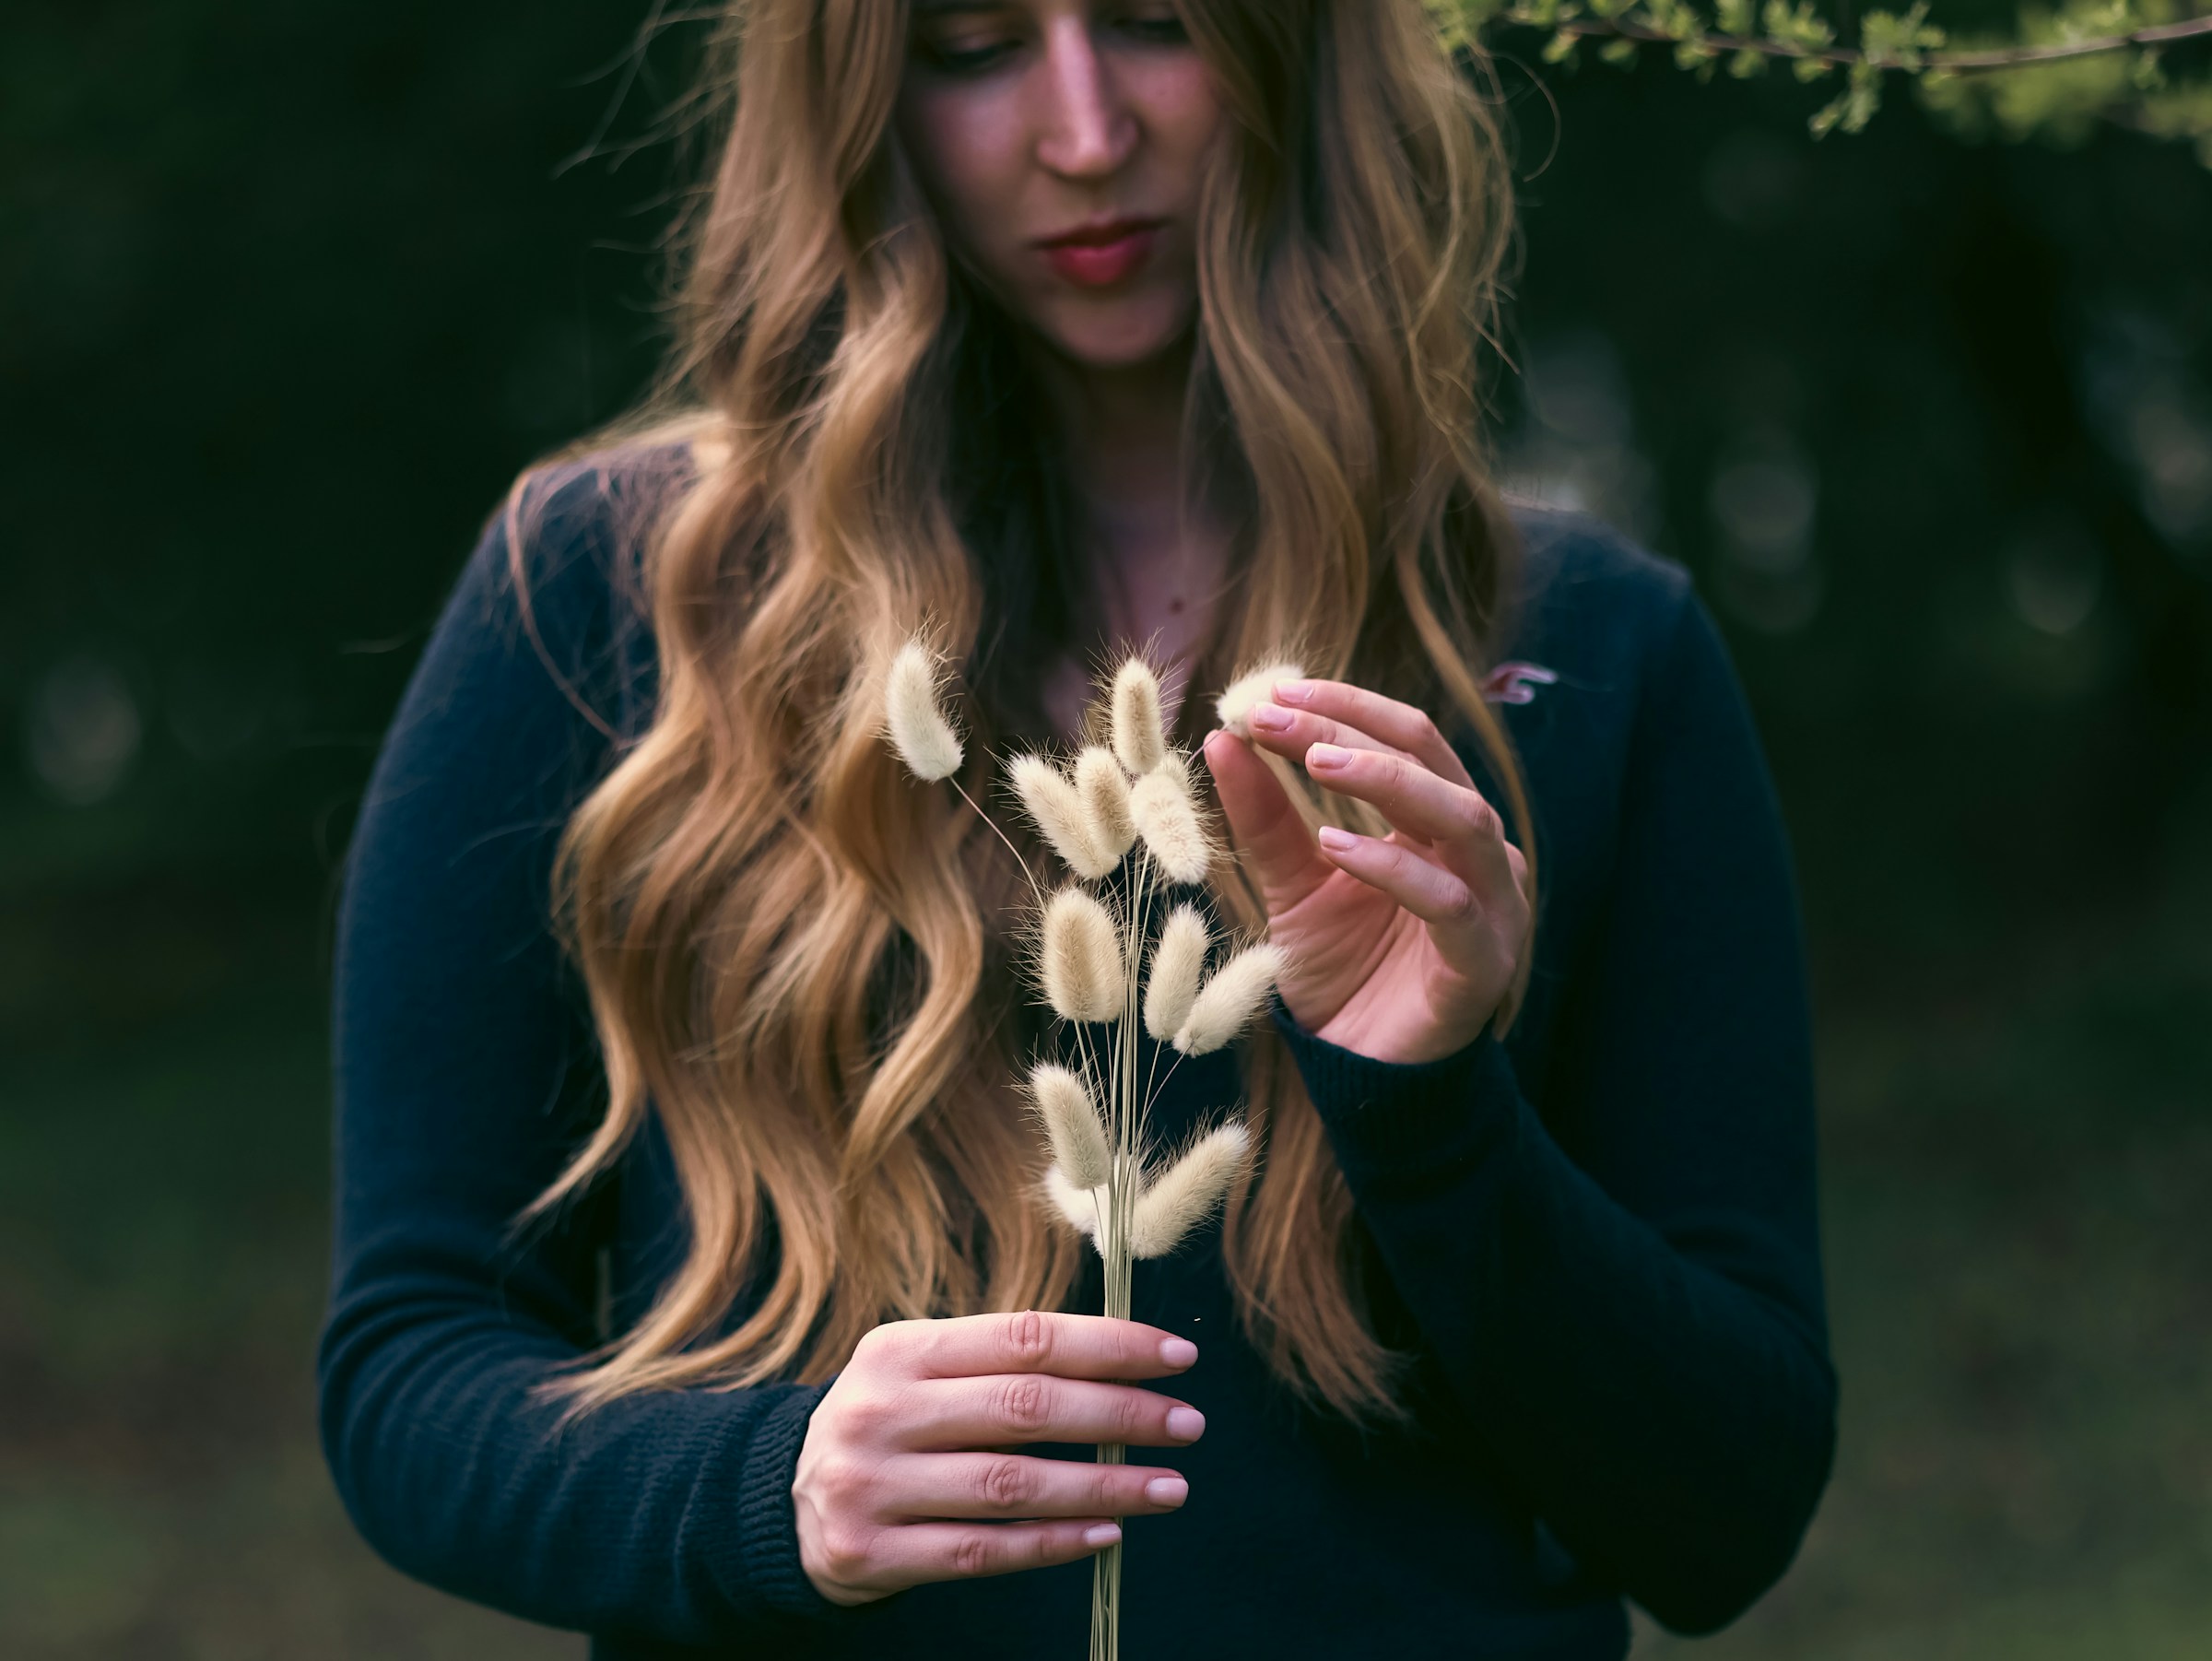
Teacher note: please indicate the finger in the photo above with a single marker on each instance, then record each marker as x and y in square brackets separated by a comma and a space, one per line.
[1399, 725]
[929, 1486]
[962, 1413]
[1291, 733]
[1041, 1341]
[1465, 830]
[932, 1551]
[1427, 890]
[1276, 849]
[1287, 732]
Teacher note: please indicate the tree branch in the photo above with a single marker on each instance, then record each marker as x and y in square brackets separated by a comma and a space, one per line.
[1844, 56]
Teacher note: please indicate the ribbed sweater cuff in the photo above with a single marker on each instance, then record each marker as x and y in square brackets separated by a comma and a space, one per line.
[1396, 1124]
[767, 1570]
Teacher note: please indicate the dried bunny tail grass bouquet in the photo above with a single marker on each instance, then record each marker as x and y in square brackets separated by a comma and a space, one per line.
[1132, 793]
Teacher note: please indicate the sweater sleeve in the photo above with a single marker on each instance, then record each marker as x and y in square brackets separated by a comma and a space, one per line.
[1638, 1339]
[457, 1048]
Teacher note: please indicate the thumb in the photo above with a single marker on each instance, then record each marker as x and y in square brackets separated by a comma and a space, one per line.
[1277, 849]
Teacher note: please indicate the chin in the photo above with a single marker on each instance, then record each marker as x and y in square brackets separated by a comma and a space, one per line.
[1117, 336]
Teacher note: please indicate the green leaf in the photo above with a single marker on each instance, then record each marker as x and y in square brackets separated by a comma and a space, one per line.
[1886, 39]
[1561, 47]
[1801, 26]
[1619, 49]
[1745, 63]
[1861, 97]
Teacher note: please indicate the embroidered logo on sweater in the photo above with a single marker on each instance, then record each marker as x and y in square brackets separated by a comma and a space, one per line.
[1516, 682]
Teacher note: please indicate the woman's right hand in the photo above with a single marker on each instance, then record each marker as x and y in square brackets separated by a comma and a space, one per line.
[906, 1474]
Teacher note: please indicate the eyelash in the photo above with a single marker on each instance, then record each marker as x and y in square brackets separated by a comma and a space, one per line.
[980, 60]
[970, 61]
[1158, 31]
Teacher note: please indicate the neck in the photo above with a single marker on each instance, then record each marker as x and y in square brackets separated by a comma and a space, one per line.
[1155, 557]
[1124, 429]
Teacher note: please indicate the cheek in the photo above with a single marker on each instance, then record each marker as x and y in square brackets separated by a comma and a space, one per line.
[1182, 110]
[966, 148]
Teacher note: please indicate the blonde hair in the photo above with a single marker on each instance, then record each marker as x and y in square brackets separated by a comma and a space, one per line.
[804, 964]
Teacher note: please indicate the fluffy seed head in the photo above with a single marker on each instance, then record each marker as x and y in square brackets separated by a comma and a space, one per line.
[1078, 1205]
[1230, 999]
[1082, 958]
[1138, 736]
[1167, 817]
[920, 733]
[1057, 809]
[1071, 1125]
[1104, 788]
[1181, 1196]
[1178, 965]
[1235, 704]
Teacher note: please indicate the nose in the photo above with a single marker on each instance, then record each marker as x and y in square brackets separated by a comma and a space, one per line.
[1089, 130]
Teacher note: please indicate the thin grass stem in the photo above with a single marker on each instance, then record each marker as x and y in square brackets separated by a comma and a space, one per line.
[1036, 890]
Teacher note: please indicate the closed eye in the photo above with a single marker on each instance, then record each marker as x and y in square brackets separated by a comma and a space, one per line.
[959, 59]
[1164, 30]
[968, 38]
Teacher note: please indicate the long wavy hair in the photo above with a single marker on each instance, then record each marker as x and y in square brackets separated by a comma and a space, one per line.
[805, 964]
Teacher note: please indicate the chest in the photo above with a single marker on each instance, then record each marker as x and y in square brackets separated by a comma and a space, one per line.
[1160, 591]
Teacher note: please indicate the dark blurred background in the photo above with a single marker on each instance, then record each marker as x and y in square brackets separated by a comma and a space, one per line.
[287, 294]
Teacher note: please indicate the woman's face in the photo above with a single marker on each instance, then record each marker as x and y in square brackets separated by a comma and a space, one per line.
[1062, 143]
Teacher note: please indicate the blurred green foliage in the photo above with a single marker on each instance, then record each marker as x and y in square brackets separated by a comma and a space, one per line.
[286, 295]
[2053, 73]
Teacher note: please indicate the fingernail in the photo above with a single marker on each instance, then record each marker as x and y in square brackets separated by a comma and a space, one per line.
[1102, 1534]
[1293, 691]
[1326, 755]
[1166, 1490]
[1177, 1352]
[1335, 840]
[1268, 718]
[1185, 1424]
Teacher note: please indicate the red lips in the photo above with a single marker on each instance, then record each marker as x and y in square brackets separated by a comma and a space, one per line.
[1097, 256]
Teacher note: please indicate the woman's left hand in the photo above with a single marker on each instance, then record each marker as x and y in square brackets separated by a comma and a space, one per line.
[1400, 948]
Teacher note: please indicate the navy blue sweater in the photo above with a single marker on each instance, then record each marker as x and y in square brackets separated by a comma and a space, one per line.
[1599, 1235]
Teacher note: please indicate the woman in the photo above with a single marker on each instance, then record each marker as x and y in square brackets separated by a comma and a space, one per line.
[690, 1284]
